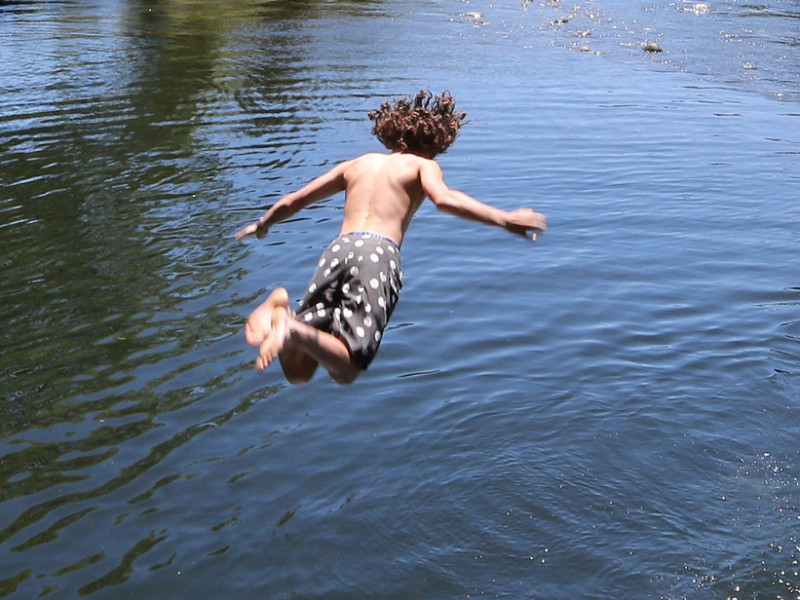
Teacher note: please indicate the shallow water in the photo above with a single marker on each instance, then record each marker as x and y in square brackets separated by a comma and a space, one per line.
[610, 412]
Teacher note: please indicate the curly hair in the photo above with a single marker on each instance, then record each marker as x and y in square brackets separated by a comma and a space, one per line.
[426, 125]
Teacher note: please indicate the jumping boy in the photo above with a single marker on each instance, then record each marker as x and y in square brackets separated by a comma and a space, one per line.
[340, 319]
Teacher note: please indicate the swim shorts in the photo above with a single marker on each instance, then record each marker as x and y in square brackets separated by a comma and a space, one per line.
[354, 291]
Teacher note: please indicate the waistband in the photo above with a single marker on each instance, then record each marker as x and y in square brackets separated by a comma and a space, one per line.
[374, 235]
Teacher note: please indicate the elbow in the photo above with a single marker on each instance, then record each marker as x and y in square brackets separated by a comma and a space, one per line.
[445, 204]
[288, 205]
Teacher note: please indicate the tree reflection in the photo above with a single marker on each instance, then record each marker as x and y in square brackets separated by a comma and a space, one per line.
[113, 166]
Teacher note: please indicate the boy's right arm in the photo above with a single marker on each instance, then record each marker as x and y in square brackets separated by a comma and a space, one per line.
[520, 221]
[323, 186]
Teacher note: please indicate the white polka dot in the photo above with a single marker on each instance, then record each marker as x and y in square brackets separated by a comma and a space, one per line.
[334, 263]
[308, 317]
[383, 277]
[368, 321]
[345, 288]
[360, 332]
[321, 312]
[392, 250]
[350, 255]
[359, 243]
[360, 259]
[381, 302]
[354, 271]
[312, 288]
[393, 265]
[327, 273]
[319, 305]
[336, 248]
[377, 336]
[374, 258]
[373, 283]
[347, 313]
[379, 250]
[368, 308]
[321, 262]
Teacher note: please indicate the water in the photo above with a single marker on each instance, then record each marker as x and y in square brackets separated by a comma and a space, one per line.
[609, 413]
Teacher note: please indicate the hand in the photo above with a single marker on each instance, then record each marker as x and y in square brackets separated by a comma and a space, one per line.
[257, 228]
[526, 223]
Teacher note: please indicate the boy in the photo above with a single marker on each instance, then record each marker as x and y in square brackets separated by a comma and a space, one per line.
[341, 317]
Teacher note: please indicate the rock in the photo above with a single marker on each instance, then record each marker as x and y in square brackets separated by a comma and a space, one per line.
[652, 47]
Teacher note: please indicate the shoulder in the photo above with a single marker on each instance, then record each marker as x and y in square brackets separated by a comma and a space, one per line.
[428, 166]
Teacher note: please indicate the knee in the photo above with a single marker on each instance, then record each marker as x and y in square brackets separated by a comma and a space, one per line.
[347, 377]
[297, 378]
[298, 368]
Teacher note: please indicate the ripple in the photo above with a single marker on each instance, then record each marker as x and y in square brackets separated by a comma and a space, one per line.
[604, 413]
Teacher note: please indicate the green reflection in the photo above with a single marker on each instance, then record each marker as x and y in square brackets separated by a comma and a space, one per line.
[122, 572]
[122, 133]
[9, 586]
[126, 474]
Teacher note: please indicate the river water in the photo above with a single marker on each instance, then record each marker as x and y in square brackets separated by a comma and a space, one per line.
[612, 412]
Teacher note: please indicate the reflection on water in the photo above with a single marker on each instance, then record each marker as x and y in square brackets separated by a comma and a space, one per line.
[609, 414]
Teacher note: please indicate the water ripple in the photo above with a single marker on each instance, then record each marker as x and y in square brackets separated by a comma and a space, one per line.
[609, 412]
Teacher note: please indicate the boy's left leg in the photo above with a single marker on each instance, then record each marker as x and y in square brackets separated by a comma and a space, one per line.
[259, 324]
[300, 347]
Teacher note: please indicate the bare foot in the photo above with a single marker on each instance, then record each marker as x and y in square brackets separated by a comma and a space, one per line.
[259, 324]
[278, 334]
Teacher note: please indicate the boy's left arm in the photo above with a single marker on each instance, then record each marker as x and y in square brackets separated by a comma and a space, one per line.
[321, 187]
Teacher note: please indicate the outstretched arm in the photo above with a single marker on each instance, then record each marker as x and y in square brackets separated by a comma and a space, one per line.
[523, 221]
[321, 187]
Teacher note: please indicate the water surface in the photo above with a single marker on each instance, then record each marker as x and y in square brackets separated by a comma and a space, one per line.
[610, 412]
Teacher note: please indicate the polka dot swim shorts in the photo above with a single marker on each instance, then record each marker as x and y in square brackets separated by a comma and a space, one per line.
[354, 291]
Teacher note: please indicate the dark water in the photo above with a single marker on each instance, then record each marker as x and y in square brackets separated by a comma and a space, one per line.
[609, 413]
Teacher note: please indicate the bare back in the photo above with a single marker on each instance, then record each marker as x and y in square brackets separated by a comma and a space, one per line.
[382, 193]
